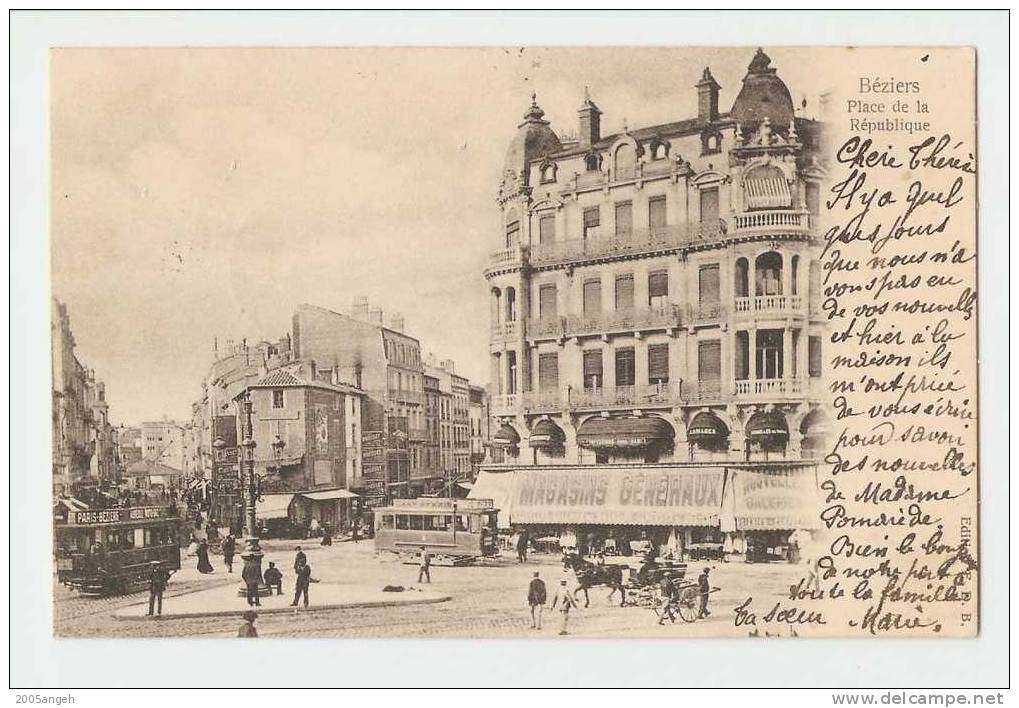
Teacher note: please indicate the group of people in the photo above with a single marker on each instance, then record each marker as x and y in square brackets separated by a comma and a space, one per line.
[537, 598]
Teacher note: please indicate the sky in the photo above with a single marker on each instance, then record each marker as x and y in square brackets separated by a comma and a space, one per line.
[203, 193]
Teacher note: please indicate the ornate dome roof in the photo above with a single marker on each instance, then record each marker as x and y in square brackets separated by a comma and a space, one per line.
[763, 95]
[534, 138]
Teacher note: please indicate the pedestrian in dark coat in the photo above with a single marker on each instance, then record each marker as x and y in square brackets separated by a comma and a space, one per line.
[522, 547]
[229, 548]
[705, 589]
[247, 629]
[302, 583]
[158, 577]
[299, 560]
[251, 578]
[204, 566]
[537, 595]
[274, 578]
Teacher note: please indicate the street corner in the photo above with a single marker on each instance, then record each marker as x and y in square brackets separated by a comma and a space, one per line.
[225, 601]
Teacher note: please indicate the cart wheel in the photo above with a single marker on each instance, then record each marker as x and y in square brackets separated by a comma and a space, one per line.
[687, 604]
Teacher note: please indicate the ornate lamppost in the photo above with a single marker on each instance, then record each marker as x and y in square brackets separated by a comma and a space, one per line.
[252, 554]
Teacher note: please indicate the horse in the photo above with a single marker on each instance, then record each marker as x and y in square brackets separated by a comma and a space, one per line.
[590, 575]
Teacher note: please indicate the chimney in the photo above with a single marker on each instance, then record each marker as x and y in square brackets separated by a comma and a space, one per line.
[448, 365]
[375, 315]
[359, 310]
[707, 97]
[590, 121]
[430, 359]
[396, 322]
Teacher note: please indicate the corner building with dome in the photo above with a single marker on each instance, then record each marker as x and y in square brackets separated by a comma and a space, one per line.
[656, 340]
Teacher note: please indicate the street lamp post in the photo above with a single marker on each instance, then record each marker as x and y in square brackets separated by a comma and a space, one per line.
[252, 555]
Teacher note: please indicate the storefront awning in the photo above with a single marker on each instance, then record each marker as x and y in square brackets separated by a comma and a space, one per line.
[656, 496]
[776, 499]
[506, 436]
[273, 506]
[497, 486]
[768, 427]
[600, 433]
[328, 495]
[546, 434]
[706, 427]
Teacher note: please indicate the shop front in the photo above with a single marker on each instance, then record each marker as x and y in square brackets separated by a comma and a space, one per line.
[619, 510]
[775, 512]
[325, 510]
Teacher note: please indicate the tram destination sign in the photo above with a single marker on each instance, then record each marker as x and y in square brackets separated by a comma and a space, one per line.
[115, 516]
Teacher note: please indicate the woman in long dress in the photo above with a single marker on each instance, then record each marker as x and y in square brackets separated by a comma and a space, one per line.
[204, 566]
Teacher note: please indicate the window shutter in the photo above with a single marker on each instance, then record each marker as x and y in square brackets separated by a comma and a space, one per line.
[658, 283]
[624, 219]
[709, 292]
[592, 363]
[709, 361]
[547, 305]
[592, 217]
[546, 229]
[512, 234]
[592, 297]
[625, 367]
[709, 205]
[814, 357]
[658, 363]
[548, 372]
[656, 213]
[624, 292]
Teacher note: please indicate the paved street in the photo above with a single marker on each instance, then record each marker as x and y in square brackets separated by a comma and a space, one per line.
[486, 602]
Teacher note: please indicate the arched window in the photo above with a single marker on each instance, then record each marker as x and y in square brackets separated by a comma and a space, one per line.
[768, 274]
[659, 149]
[511, 305]
[626, 162]
[592, 162]
[794, 271]
[548, 171]
[496, 305]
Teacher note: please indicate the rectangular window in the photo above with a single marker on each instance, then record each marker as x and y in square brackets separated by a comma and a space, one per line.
[658, 289]
[708, 287]
[548, 372]
[658, 363]
[546, 229]
[709, 205]
[626, 367]
[547, 304]
[742, 361]
[624, 292]
[624, 219]
[656, 214]
[512, 234]
[592, 222]
[277, 398]
[592, 297]
[709, 361]
[769, 354]
[592, 369]
[814, 357]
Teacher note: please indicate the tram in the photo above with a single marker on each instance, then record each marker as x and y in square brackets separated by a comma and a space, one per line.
[109, 551]
[454, 531]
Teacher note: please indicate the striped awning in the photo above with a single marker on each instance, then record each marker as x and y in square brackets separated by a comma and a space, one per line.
[606, 433]
[546, 434]
[706, 427]
[768, 426]
[507, 436]
[769, 193]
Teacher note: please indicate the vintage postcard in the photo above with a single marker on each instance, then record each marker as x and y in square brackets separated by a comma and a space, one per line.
[514, 342]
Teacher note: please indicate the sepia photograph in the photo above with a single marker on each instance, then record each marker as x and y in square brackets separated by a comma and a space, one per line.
[570, 344]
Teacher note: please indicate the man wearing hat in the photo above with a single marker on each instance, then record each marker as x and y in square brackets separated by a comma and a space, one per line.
[157, 584]
[705, 589]
[536, 597]
[564, 598]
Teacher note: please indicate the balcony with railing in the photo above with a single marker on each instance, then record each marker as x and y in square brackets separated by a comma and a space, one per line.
[662, 317]
[656, 395]
[777, 304]
[505, 404]
[406, 396]
[698, 391]
[632, 243]
[703, 313]
[506, 330]
[768, 388]
[543, 401]
[772, 221]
